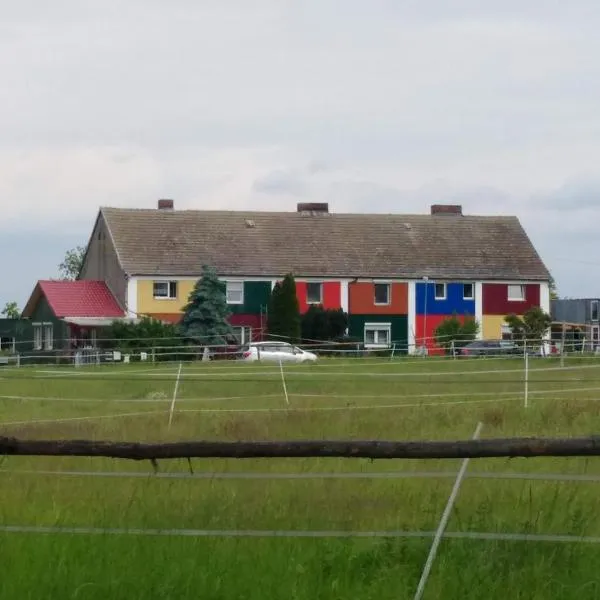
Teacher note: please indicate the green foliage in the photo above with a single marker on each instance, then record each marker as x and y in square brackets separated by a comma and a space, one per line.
[319, 323]
[283, 318]
[531, 326]
[206, 313]
[11, 311]
[70, 267]
[145, 334]
[452, 330]
[553, 290]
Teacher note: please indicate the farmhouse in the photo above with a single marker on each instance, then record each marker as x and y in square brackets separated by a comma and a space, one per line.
[397, 276]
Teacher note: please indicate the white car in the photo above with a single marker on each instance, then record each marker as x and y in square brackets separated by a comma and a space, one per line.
[276, 352]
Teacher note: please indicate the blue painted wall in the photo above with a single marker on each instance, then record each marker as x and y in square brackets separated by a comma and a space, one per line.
[454, 302]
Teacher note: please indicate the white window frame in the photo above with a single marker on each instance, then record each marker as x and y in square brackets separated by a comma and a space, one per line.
[228, 289]
[506, 330]
[38, 336]
[594, 304]
[435, 294]
[389, 294]
[169, 283]
[472, 296]
[48, 330]
[511, 297]
[320, 300]
[377, 327]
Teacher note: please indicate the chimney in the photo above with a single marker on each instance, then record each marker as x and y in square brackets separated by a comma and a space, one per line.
[446, 209]
[166, 204]
[313, 207]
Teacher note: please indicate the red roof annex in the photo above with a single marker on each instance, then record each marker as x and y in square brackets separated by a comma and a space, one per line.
[83, 298]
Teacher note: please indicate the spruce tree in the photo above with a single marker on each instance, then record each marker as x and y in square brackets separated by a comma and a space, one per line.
[283, 319]
[205, 315]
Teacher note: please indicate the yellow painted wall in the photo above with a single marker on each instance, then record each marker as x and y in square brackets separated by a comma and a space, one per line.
[147, 304]
[491, 328]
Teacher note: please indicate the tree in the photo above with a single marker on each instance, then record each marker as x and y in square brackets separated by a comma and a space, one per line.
[453, 333]
[283, 318]
[11, 310]
[320, 324]
[533, 325]
[553, 290]
[70, 267]
[205, 315]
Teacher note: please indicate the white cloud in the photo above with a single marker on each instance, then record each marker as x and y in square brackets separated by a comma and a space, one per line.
[377, 106]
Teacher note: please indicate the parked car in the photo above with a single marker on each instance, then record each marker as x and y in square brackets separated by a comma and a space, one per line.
[490, 348]
[276, 352]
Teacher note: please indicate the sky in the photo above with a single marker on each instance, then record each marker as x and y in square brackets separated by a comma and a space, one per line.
[379, 106]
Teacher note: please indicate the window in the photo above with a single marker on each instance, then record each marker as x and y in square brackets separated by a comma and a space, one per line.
[314, 293]
[506, 332]
[468, 291]
[243, 335]
[382, 293]
[7, 344]
[235, 292]
[48, 337]
[440, 291]
[516, 293]
[377, 335]
[594, 310]
[37, 336]
[165, 290]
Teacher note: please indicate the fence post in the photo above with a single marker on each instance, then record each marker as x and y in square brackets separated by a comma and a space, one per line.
[526, 380]
[393, 350]
[453, 349]
[153, 354]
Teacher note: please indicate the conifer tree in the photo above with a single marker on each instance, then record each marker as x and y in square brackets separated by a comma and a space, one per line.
[205, 315]
[284, 313]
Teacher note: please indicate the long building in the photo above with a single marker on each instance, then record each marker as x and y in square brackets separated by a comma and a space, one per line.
[397, 276]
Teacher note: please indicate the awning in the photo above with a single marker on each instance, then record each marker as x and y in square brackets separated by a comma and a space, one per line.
[98, 321]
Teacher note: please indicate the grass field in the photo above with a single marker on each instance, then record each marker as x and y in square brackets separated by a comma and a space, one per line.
[299, 528]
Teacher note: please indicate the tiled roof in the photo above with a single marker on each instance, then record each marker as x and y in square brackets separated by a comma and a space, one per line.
[76, 299]
[177, 243]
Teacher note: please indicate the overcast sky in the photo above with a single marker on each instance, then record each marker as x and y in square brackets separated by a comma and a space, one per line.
[376, 105]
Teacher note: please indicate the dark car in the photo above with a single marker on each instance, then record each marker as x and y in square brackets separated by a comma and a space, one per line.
[490, 348]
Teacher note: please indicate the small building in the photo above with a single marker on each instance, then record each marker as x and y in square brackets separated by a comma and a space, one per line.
[582, 311]
[16, 335]
[66, 315]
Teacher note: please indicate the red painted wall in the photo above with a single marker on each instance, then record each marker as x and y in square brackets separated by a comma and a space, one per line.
[332, 295]
[495, 299]
[361, 298]
[253, 321]
[425, 328]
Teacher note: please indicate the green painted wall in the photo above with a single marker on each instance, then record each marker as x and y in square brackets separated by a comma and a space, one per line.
[44, 314]
[256, 297]
[399, 327]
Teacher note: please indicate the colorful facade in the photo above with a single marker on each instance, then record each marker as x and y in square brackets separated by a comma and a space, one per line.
[381, 313]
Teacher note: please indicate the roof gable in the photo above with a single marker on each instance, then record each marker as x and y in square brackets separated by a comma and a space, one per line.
[269, 244]
[83, 298]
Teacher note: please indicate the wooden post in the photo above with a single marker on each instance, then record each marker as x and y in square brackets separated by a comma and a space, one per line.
[486, 448]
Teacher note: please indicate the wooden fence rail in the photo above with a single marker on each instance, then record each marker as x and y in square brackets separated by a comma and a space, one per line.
[506, 447]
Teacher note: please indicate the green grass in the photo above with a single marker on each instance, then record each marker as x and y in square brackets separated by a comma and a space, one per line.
[335, 399]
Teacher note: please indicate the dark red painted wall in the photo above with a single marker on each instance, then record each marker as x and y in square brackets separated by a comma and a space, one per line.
[332, 297]
[253, 321]
[495, 299]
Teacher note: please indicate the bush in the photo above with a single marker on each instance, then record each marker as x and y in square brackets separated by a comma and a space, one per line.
[451, 333]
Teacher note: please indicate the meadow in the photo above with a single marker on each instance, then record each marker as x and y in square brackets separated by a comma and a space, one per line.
[299, 528]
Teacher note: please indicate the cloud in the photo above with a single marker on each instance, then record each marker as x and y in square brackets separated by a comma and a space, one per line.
[382, 106]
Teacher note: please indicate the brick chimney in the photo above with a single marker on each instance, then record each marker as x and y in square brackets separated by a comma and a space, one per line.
[166, 204]
[446, 209]
[313, 207]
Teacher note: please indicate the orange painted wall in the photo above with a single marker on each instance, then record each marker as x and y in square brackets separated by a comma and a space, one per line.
[361, 299]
